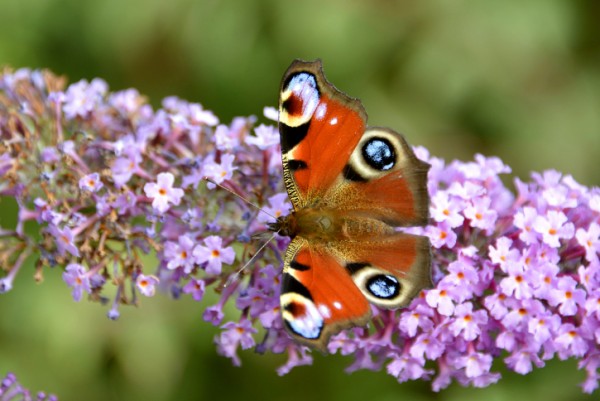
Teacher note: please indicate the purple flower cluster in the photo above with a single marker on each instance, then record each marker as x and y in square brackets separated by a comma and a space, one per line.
[516, 279]
[108, 179]
[11, 390]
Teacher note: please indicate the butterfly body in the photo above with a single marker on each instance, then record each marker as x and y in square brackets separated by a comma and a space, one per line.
[323, 225]
[350, 187]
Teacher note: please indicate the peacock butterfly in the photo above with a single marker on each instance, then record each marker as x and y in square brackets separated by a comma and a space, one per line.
[350, 186]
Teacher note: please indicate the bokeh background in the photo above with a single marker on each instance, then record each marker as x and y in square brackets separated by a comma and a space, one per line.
[516, 79]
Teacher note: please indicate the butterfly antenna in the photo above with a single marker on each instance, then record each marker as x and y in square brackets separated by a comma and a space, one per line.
[241, 197]
[234, 277]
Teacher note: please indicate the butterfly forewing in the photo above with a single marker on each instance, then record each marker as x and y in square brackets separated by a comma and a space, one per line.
[319, 127]
[318, 296]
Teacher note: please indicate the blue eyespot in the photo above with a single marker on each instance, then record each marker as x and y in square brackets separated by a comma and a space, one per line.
[383, 286]
[379, 154]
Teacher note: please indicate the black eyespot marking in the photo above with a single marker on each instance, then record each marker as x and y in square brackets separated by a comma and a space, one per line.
[292, 136]
[356, 266]
[298, 266]
[293, 105]
[379, 154]
[351, 174]
[295, 165]
[290, 284]
[383, 286]
[295, 308]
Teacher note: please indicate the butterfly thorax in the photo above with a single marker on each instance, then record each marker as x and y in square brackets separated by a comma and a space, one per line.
[329, 225]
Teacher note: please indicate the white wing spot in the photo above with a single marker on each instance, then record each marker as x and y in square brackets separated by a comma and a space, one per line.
[337, 305]
[321, 110]
[333, 121]
[324, 311]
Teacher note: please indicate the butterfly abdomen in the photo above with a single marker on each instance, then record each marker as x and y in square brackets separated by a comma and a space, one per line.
[361, 228]
[326, 225]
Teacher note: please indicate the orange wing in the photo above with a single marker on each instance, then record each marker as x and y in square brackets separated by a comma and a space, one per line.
[328, 287]
[318, 296]
[384, 180]
[390, 270]
[331, 160]
[319, 127]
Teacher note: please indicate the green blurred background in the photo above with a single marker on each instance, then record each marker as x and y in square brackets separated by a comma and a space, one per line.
[516, 79]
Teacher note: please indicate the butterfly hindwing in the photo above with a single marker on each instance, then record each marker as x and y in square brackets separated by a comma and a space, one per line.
[384, 180]
[389, 270]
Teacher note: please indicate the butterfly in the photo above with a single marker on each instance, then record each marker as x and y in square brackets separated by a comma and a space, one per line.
[350, 185]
